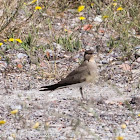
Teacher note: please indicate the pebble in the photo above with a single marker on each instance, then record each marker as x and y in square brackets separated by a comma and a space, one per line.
[118, 62]
[3, 65]
[128, 62]
[135, 65]
[1, 12]
[10, 138]
[137, 50]
[21, 55]
[98, 19]
[104, 61]
[13, 107]
[138, 60]
[3, 47]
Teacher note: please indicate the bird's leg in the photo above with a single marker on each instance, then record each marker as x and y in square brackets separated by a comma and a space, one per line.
[81, 92]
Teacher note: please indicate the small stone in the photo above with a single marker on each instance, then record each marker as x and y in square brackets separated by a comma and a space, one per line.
[13, 107]
[3, 65]
[91, 109]
[1, 12]
[104, 62]
[106, 128]
[135, 100]
[118, 62]
[21, 55]
[3, 47]
[10, 138]
[137, 47]
[98, 18]
[138, 60]
[137, 50]
[90, 114]
[128, 62]
[135, 65]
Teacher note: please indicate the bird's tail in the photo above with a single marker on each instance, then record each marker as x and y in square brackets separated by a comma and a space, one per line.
[51, 87]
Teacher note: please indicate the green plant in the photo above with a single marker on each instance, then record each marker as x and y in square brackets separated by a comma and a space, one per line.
[69, 42]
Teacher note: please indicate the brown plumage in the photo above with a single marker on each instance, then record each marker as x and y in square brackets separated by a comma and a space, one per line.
[86, 72]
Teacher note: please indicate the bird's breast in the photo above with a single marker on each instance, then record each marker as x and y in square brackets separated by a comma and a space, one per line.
[93, 73]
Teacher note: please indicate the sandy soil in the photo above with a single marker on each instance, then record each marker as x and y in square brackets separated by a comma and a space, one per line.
[62, 114]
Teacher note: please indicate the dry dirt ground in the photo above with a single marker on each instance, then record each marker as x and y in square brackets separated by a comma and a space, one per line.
[63, 115]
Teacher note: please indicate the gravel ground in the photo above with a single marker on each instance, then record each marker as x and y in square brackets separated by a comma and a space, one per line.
[63, 115]
[107, 112]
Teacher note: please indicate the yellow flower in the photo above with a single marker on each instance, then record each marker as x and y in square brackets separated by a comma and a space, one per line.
[36, 125]
[105, 16]
[2, 122]
[120, 9]
[114, 0]
[81, 8]
[123, 126]
[33, 1]
[65, 30]
[1, 43]
[14, 111]
[114, 4]
[92, 4]
[11, 39]
[120, 138]
[5, 40]
[82, 18]
[18, 40]
[138, 115]
[38, 8]
[47, 124]
[25, 3]
[13, 135]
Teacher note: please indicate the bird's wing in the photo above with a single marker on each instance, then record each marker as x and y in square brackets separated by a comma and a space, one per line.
[76, 76]
[82, 69]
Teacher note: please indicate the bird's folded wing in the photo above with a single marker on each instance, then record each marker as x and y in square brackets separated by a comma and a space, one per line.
[76, 76]
[82, 69]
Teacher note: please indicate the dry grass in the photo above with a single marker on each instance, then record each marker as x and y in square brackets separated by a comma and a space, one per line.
[40, 29]
[19, 20]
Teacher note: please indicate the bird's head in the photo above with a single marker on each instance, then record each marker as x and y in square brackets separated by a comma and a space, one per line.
[89, 55]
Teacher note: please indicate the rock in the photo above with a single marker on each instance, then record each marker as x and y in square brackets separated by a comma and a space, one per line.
[1, 12]
[21, 55]
[138, 60]
[3, 65]
[98, 19]
[10, 138]
[135, 65]
[127, 62]
[135, 100]
[3, 47]
[13, 107]
[137, 50]
[104, 62]
[137, 47]
[118, 62]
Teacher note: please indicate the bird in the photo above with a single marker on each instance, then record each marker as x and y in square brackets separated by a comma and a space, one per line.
[87, 72]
